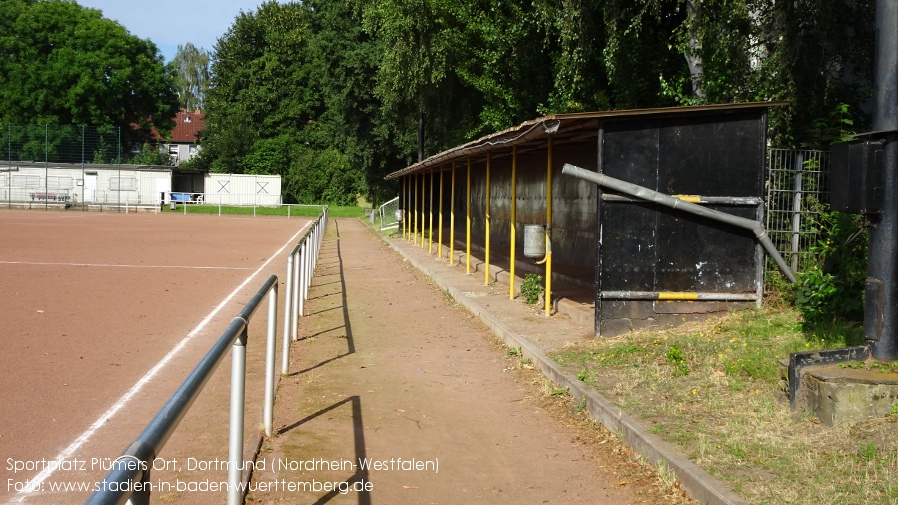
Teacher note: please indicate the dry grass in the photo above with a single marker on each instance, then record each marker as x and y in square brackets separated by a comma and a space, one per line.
[715, 390]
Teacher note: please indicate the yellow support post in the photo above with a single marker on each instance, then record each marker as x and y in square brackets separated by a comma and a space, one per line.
[468, 207]
[415, 211]
[548, 294]
[423, 217]
[514, 208]
[405, 226]
[452, 219]
[430, 212]
[440, 210]
[486, 215]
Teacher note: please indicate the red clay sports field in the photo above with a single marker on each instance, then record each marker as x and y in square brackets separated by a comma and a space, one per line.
[103, 315]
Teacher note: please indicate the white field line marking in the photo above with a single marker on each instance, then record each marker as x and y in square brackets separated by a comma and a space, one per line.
[38, 480]
[120, 265]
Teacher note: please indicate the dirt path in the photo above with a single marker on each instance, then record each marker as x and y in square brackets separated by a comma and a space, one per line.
[390, 371]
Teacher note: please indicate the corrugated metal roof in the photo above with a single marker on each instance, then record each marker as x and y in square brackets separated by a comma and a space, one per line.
[563, 127]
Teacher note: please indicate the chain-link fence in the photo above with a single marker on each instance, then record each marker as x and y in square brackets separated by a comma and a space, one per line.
[797, 188]
[63, 144]
[65, 165]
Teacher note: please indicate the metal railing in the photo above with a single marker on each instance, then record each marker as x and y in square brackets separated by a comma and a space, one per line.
[128, 481]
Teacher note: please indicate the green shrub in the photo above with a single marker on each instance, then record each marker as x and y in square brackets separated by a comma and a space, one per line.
[834, 288]
[531, 288]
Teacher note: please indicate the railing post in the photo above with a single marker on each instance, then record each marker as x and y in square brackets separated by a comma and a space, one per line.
[315, 245]
[142, 495]
[235, 441]
[297, 298]
[310, 245]
[270, 344]
[288, 315]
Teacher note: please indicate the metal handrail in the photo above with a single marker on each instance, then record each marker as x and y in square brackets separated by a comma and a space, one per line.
[133, 466]
[673, 202]
[129, 478]
[301, 263]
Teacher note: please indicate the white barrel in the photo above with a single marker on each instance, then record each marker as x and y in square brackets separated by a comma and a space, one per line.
[534, 241]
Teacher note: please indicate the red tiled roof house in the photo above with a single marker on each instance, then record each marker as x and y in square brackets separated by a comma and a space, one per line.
[183, 144]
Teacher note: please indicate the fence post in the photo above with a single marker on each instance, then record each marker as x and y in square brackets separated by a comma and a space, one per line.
[235, 441]
[270, 344]
[307, 268]
[288, 315]
[297, 266]
[796, 210]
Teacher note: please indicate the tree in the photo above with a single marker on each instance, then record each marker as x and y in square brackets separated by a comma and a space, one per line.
[260, 85]
[797, 51]
[266, 109]
[61, 63]
[295, 83]
[344, 60]
[190, 68]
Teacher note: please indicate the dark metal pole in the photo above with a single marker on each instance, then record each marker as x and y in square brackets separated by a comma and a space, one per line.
[881, 298]
[420, 136]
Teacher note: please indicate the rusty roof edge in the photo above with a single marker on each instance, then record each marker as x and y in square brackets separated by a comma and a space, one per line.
[551, 124]
[533, 131]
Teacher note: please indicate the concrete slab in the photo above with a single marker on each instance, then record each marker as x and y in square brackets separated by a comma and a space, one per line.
[837, 393]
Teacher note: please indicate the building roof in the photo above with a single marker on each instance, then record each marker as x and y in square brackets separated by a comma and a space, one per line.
[187, 126]
[564, 128]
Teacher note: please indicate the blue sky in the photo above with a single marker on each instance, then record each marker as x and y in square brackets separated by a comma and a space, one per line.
[169, 23]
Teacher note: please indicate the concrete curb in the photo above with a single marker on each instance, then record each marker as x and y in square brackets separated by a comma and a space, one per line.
[697, 483]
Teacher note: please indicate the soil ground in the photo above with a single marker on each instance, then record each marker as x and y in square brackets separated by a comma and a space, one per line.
[388, 370]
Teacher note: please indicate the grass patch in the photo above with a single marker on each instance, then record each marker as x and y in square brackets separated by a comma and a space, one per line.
[716, 391]
[284, 210]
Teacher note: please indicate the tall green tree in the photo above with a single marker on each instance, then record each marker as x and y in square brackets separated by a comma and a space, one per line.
[421, 43]
[61, 63]
[190, 68]
[816, 54]
[261, 86]
[344, 58]
[279, 104]
[354, 77]
[508, 57]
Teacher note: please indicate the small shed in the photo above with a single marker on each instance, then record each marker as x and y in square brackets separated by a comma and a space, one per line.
[643, 263]
[243, 189]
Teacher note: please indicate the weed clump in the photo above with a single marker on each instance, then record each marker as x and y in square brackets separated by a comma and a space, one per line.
[531, 288]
